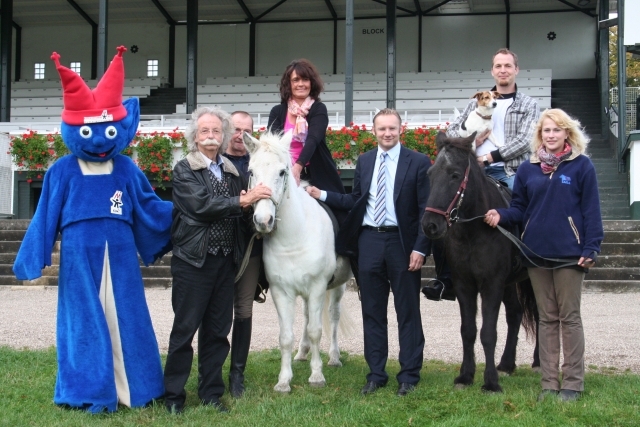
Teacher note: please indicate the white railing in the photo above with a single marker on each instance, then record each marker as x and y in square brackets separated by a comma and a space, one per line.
[632, 94]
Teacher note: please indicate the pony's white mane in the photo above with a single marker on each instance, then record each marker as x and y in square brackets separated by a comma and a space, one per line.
[275, 143]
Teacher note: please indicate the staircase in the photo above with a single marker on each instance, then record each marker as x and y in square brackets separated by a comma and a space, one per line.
[612, 186]
[617, 271]
[580, 98]
[163, 101]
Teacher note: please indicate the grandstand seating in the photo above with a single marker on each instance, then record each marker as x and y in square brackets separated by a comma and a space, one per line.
[428, 97]
[41, 100]
[421, 98]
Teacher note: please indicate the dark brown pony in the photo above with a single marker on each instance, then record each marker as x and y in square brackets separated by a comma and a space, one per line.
[482, 260]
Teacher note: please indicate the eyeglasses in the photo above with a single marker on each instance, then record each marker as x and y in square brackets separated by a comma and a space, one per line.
[205, 132]
[240, 131]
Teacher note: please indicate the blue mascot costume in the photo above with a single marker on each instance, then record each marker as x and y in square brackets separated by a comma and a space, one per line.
[106, 213]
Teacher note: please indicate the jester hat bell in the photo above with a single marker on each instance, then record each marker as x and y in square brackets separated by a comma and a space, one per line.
[102, 104]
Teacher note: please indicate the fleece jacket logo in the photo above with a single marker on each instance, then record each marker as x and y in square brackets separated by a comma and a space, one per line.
[565, 179]
[116, 203]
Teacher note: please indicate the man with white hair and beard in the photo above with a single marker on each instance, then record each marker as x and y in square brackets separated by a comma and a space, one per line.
[208, 236]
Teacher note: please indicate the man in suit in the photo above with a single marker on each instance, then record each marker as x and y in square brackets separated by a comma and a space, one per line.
[383, 233]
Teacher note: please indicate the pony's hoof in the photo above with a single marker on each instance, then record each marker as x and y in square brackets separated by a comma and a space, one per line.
[336, 363]
[505, 370]
[282, 388]
[536, 369]
[301, 356]
[317, 380]
[492, 389]
[460, 386]
[504, 374]
[317, 384]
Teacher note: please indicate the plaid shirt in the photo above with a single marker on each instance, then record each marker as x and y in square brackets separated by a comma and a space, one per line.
[519, 126]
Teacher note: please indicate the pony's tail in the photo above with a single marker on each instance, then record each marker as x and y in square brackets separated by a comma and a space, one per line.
[530, 309]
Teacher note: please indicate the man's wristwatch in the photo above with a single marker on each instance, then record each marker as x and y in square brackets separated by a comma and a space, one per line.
[485, 160]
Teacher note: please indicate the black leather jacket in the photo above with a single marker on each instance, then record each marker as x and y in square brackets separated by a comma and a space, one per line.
[195, 207]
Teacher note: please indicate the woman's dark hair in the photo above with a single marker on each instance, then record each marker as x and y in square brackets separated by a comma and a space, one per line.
[305, 69]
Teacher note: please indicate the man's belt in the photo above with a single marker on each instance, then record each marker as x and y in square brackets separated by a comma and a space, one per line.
[392, 229]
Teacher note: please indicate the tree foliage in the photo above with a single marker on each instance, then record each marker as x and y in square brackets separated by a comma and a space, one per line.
[633, 64]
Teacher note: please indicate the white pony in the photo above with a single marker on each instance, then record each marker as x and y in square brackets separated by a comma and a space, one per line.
[299, 256]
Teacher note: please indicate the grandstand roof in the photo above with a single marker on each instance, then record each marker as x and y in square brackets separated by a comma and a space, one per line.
[60, 12]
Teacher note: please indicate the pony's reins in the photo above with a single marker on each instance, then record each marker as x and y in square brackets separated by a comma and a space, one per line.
[520, 245]
[451, 215]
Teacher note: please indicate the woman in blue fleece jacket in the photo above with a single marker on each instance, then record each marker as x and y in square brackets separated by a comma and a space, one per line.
[556, 203]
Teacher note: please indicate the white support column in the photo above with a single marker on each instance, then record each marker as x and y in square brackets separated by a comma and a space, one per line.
[634, 174]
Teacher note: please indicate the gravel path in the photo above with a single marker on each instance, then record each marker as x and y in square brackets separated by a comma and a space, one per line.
[611, 322]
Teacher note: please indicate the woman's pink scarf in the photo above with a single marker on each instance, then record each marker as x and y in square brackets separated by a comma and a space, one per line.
[300, 111]
[549, 162]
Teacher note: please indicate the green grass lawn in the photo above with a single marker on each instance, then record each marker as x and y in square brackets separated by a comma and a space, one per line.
[611, 399]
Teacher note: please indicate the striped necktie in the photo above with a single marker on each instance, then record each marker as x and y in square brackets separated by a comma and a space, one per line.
[380, 211]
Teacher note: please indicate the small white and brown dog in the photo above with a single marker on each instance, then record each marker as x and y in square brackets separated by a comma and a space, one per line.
[479, 120]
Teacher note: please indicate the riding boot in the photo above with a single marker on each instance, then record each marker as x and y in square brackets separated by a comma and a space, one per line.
[439, 289]
[240, 341]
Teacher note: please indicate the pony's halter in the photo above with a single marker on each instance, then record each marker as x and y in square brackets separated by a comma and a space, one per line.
[451, 214]
[275, 202]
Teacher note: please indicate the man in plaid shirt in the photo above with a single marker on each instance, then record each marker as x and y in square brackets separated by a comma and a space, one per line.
[514, 121]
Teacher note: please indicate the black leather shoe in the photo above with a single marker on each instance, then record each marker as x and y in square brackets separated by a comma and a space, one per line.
[174, 408]
[371, 387]
[439, 289]
[405, 388]
[567, 395]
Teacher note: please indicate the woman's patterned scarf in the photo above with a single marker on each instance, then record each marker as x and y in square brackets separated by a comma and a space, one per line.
[550, 162]
[300, 111]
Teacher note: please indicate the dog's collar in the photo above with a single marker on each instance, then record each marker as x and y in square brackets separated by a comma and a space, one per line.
[484, 117]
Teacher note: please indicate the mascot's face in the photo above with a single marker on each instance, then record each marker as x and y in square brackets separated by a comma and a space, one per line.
[99, 142]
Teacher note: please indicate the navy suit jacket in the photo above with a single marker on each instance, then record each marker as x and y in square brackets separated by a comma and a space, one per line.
[411, 191]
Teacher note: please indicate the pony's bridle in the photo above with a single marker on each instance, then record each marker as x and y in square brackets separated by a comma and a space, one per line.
[451, 214]
[275, 202]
